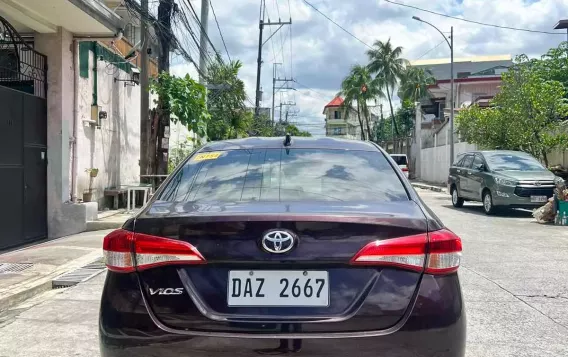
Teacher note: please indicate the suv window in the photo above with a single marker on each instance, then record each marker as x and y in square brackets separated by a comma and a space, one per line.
[467, 161]
[459, 160]
[285, 175]
[477, 161]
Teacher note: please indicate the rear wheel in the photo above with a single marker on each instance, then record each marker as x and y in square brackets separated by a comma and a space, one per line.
[457, 201]
[488, 206]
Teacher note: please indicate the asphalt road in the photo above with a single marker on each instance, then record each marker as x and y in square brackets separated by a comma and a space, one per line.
[514, 277]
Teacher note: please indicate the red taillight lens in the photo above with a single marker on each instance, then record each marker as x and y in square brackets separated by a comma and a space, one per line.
[120, 247]
[405, 169]
[438, 252]
[405, 252]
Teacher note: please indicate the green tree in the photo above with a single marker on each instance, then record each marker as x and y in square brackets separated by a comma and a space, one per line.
[185, 101]
[414, 83]
[386, 63]
[230, 118]
[404, 118]
[358, 88]
[526, 115]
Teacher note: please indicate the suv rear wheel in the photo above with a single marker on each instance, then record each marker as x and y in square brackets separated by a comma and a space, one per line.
[457, 201]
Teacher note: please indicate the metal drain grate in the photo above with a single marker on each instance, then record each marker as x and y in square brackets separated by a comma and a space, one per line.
[14, 267]
[79, 275]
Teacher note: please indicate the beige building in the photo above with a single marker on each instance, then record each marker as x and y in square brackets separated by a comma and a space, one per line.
[340, 125]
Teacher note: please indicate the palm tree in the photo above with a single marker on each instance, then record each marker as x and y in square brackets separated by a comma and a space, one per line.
[385, 62]
[414, 83]
[357, 88]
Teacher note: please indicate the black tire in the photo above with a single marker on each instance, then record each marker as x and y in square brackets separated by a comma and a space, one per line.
[457, 201]
[487, 201]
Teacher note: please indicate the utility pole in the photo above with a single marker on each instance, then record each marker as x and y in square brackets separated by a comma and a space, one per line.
[274, 91]
[261, 25]
[144, 92]
[203, 39]
[161, 118]
[452, 95]
[273, 88]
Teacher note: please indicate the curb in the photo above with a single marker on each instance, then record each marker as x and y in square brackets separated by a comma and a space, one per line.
[428, 187]
[31, 287]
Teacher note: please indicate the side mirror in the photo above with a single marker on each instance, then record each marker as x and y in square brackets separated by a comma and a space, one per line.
[480, 167]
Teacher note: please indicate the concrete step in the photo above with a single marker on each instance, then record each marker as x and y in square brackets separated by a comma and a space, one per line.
[109, 220]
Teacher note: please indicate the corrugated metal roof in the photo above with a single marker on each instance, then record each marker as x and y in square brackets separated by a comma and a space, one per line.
[464, 67]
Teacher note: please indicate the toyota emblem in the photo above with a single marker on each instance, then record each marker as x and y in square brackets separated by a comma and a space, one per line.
[537, 183]
[278, 241]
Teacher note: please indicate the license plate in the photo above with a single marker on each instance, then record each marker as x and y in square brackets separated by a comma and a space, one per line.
[539, 198]
[278, 288]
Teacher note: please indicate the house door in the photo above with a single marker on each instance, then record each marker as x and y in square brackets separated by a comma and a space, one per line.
[23, 140]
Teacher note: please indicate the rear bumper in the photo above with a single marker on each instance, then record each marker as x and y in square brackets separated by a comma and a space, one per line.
[436, 326]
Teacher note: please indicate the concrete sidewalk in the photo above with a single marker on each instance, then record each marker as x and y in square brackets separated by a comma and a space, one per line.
[30, 271]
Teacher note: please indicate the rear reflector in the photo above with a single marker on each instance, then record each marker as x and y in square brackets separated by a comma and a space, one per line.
[126, 252]
[438, 252]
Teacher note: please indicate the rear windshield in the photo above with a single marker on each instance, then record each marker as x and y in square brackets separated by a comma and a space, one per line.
[400, 160]
[285, 175]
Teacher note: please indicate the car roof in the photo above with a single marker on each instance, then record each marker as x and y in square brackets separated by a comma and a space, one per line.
[397, 154]
[297, 143]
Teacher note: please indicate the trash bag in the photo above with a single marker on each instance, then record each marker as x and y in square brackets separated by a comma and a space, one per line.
[546, 213]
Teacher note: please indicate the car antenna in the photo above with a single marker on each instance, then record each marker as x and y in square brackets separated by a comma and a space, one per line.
[288, 140]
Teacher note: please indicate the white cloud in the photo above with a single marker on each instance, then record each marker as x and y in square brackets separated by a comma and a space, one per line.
[323, 53]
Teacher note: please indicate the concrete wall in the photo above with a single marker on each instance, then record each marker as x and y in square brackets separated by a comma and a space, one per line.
[114, 147]
[63, 217]
[435, 161]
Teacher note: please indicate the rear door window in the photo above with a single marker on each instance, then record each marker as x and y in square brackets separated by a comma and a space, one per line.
[285, 175]
[468, 160]
[400, 160]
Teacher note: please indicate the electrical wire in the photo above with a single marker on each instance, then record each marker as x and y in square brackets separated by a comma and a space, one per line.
[338, 25]
[204, 31]
[220, 33]
[430, 50]
[472, 21]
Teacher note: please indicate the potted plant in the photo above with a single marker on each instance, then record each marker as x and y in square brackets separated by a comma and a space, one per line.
[88, 195]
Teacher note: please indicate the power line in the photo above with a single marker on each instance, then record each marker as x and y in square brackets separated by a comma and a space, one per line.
[430, 50]
[310, 89]
[338, 25]
[203, 30]
[220, 33]
[472, 21]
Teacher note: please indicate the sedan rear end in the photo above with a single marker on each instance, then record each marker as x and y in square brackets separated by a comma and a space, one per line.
[252, 247]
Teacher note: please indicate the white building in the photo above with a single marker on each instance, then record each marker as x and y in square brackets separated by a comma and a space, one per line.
[69, 105]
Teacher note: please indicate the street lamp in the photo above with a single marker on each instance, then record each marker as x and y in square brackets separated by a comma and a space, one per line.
[562, 24]
[451, 45]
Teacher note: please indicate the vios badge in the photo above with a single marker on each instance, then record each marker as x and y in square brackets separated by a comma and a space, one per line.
[278, 241]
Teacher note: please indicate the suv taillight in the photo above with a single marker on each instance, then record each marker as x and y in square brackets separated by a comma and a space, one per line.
[126, 251]
[437, 252]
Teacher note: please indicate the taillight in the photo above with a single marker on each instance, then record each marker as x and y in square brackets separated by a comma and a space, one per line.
[438, 252]
[405, 169]
[126, 252]
[444, 252]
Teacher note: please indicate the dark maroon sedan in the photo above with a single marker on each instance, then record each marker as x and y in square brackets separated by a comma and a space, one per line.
[318, 247]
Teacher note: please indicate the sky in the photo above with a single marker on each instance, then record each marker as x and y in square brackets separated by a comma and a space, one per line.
[318, 54]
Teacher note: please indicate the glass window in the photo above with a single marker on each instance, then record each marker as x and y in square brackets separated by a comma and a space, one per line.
[400, 159]
[467, 161]
[286, 175]
[477, 161]
[337, 114]
[507, 161]
[459, 160]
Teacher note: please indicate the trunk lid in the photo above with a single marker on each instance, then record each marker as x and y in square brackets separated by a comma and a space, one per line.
[329, 235]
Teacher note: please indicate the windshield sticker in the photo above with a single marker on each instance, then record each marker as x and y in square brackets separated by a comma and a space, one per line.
[206, 156]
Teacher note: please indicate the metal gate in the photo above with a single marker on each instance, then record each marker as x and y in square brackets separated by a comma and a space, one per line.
[23, 139]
